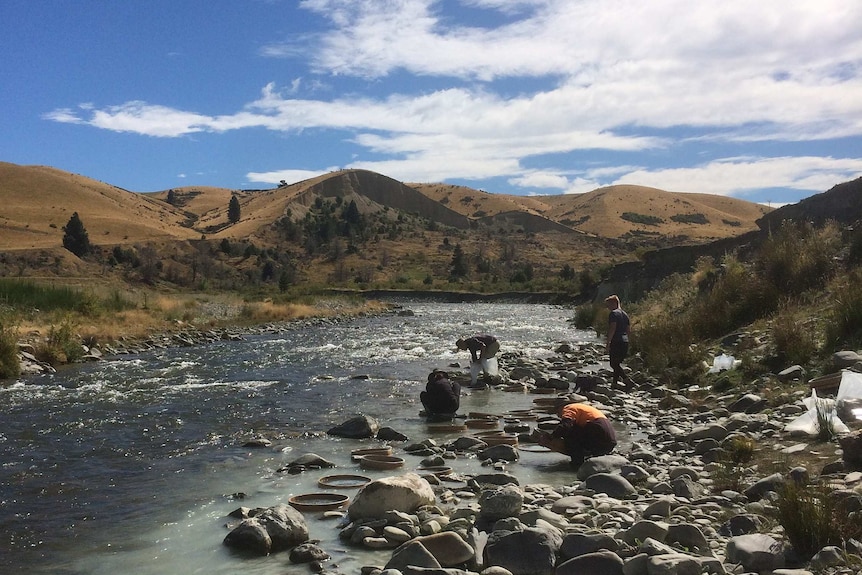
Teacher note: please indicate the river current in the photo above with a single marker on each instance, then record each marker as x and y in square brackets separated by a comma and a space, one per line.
[130, 464]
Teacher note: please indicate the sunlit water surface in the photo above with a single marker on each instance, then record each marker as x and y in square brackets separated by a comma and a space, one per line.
[128, 465]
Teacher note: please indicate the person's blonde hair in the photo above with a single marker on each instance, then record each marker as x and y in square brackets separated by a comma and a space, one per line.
[613, 298]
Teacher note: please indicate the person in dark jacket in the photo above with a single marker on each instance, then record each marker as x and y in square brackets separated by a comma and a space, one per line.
[619, 331]
[441, 395]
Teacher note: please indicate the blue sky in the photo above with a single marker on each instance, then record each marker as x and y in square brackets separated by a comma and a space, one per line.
[757, 100]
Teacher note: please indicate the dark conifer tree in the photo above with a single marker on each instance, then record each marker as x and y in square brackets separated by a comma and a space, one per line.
[233, 210]
[75, 238]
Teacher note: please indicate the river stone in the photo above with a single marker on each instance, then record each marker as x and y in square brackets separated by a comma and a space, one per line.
[792, 373]
[577, 544]
[601, 464]
[499, 453]
[269, 530]
[496, 479]
[659, 508]
[448, 548]
[572, 504]
[412, 553]
[829, 556]
[765, 485]
[358, 427]
[310, 461]
[610, 484]
[687, 536]
[404, 493]
[505, 501]
[845, 359]
[389, 434]
[675, 564]
[599, 563]
[748, 403]
[533, 516]
[643, 530]
[755, 552]
[528, 552]
[741, 525]
[683, 486]
[714, 431]
[307, 552]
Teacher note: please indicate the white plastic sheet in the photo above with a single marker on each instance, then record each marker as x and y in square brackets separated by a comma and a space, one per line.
[809, 422]
[722, 362]
[849, 397]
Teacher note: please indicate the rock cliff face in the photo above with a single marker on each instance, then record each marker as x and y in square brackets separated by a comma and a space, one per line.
[631, 280]
[842, 203]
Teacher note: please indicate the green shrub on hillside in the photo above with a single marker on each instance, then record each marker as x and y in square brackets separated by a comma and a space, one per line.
[689, 218]
[844, 325]
[795, 339]
[643, 219]
[798, 257]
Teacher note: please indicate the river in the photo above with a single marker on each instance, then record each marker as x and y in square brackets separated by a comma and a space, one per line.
[130, 464]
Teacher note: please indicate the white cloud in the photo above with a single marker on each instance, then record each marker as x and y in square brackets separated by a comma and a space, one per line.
[289, 176]
[740, 176]
[64, 116]
[624, 76]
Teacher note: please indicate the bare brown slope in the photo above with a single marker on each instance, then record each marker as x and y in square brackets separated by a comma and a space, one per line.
[38, 201]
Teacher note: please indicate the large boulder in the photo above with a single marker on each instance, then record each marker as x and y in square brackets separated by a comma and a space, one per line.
[404, 493]
[755, 552]
[531, 551]
[358, 427]
[446, 549]
[268, 530]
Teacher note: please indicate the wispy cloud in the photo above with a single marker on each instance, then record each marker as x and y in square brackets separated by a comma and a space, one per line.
[592, 75]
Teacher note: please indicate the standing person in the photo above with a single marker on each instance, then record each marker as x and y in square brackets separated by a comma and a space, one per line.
[619, 330]
[583, 432]
[441, 395]
[482, 348]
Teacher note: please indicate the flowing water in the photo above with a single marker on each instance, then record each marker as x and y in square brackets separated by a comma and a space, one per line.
[129, 465]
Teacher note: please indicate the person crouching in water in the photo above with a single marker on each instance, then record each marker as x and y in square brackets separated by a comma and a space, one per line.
[442, 396]
[583, 432]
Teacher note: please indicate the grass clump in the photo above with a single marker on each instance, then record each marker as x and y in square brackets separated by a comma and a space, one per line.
[736, 452]
[814, 517]
[9, 364]
[61, 345]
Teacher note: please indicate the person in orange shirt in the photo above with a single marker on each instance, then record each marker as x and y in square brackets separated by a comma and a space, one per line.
[583, 432]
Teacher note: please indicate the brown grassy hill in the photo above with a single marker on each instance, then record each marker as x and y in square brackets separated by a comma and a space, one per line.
[38, 201]
[407, 235]
[614, 211]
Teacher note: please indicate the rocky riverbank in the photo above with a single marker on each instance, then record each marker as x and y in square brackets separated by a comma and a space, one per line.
[679, 499]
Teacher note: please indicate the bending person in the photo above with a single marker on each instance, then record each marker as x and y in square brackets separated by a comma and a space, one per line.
[482, 347]
[583, 432]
